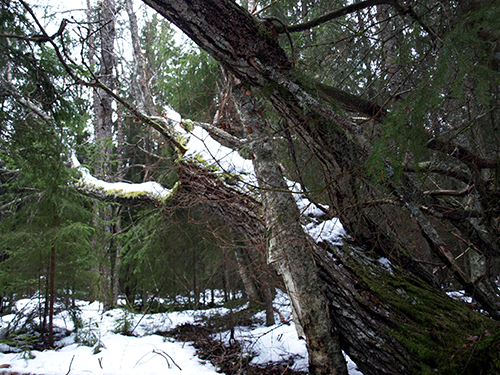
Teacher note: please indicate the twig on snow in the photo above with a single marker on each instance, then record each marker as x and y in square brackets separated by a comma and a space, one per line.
[69, 370]
[166, 356]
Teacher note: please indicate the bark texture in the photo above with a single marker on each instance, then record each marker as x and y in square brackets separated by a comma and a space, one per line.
[289, 249]
[103, 132]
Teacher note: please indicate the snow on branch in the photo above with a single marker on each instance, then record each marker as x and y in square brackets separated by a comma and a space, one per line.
[146, 193]
[213, 146]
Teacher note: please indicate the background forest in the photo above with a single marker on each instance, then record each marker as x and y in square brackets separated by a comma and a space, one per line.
[385, 114]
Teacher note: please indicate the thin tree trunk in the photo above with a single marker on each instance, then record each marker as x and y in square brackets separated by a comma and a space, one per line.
[250, 289]
[103, 132]
[52, 275]
[51, 293]
[104, 109]
[140, 85]
[117, 260]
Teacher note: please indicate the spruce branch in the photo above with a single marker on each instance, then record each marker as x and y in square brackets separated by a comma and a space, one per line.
[10, 89]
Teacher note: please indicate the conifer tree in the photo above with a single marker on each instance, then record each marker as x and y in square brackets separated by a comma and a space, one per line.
[44, 222]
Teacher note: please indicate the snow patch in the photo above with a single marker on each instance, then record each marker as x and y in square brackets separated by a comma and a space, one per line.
[330, 231]
[150, 354]
[460, 295]
[201, 143]
[386, 263]
[306, 207]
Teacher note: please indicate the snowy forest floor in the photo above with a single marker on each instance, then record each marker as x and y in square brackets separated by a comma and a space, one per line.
[217, 340]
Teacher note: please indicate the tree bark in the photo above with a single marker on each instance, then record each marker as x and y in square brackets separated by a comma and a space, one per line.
[103, 132]
[289, 249]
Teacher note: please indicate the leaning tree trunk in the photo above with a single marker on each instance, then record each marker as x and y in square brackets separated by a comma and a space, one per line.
[289, 249]
[373, 214]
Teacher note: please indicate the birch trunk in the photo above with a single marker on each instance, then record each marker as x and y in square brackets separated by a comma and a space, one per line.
[289, 249]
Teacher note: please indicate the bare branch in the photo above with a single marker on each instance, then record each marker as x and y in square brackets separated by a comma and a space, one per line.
[167, 357]
[449, 193]
[449, 213]
[348, 101]
[440, 168]
[15, 201]
[38, 38]
[331, 15]
[281, 29]
[221, 136]
[461, 153]
[409, 11]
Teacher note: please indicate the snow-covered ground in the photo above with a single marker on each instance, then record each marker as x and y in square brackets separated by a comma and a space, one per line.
[109, 352]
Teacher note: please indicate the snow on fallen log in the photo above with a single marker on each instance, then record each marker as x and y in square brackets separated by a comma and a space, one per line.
[147, 191]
